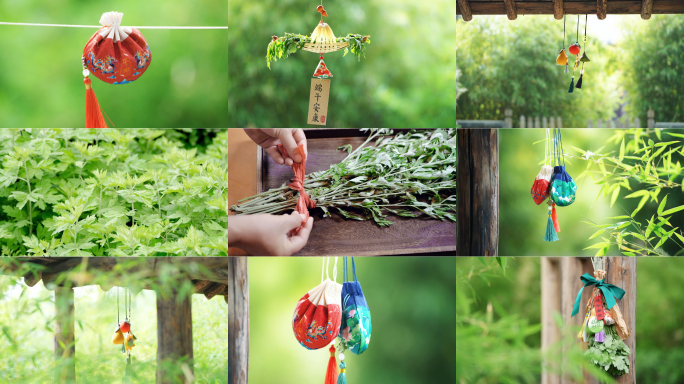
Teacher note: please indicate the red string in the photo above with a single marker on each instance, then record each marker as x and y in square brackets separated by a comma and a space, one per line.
[304, 203]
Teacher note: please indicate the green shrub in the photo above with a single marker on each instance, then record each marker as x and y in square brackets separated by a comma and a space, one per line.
[112, 192]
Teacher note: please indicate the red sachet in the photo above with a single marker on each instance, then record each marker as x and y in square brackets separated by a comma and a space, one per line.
[317, 316]
[304, 203]
[116, 54]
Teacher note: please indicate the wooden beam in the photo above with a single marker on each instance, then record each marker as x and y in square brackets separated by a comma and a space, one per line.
[558, 9]
[510, 9]
[64, 346]
[582, 7]
[174, 340]
[465, 9]
[646, 9]
[477, 201]
[601, 11]
[621, 271]
[238, 320]
[213, 290]
[550, 303]
[32, 279]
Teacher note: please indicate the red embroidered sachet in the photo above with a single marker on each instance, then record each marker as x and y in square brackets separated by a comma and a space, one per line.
[116, 54]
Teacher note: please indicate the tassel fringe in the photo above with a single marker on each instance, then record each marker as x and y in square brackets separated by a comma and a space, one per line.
[579, 82]
[94, 118]
[550, 233]
[331, 372]
[556, 226]
[342, 378]
[572, 85]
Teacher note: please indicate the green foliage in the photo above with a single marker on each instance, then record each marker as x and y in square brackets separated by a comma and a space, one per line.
[513, 65]
[653, 76]
[133, 192]
[610, 355]
[498, 329]
[656, 169]
[294, 42]
[405, 80]
[185, 85]
[405, 175]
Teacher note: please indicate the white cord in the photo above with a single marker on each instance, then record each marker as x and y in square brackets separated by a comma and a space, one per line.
[99, 26]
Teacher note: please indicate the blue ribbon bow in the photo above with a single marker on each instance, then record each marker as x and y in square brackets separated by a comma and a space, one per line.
[610, 292]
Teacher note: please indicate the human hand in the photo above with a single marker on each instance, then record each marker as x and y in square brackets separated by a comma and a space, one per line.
[268, 235]
[290, 138]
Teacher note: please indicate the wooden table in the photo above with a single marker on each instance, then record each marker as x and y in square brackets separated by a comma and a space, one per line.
[336, 235]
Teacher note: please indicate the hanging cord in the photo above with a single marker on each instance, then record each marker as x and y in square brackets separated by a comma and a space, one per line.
[577, 38]
[563, 44]
[586, 21]
[354, 267]
[118, 320]
[99, 26]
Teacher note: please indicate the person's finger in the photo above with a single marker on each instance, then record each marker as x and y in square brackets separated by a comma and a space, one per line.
[275, 154]
[298, 241]
[300, 138]
[293, 220]
[285, 136]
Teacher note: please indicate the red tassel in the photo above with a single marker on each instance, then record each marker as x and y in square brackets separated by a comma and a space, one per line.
[94, 117]
[556, 226]
[331, 373]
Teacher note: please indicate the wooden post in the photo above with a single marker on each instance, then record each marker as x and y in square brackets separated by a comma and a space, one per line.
[174, 339]
[651, 118]
[601, 6]
[560, 284]
[537, 122]
[621, 271]
[477, 202]
[637, 123]
[238, 320]
[465, 9]
[508, 120]
[64, 343]
[545, 122]
[523, 124]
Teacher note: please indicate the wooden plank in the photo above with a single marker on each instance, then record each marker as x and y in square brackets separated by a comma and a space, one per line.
[617, 7]
[465, 9]
[64, 346]
[238, 320]
[622, 272]
[480, 123]
[213, 290]
[174, 339]
[336, 235]
[477, 198]
[558, 9]
[510, 9]
[550, 303]
[148, 267]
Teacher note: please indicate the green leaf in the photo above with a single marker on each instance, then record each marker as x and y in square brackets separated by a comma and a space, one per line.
[673, 210]
[662, 206]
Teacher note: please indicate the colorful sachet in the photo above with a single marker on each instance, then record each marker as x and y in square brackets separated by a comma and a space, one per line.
[317, 316]
[355, 332]
[116, 54]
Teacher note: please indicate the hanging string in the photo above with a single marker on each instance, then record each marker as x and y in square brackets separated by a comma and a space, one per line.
[117, 307]
[99, 26]
[577, 38]
[563, 44]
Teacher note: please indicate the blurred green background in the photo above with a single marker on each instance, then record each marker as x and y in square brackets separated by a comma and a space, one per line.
[511, 64]
[494, 310]
[411, 303]
[27, 321]
[40, 67]
[522, 223]
[406, 79]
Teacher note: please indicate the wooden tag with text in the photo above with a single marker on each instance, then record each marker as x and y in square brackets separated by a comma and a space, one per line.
[318, 101]
[598, 307]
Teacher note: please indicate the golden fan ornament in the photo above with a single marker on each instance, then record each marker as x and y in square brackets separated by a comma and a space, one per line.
[322, 40]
